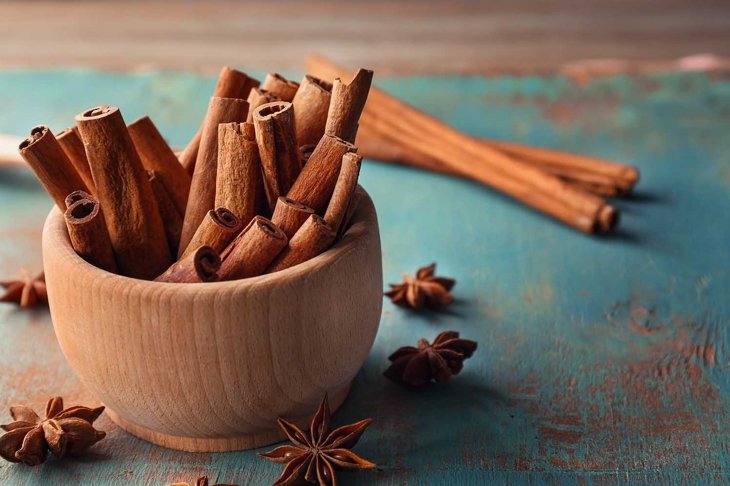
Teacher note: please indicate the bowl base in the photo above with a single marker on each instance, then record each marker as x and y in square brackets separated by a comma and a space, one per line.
[220, 444]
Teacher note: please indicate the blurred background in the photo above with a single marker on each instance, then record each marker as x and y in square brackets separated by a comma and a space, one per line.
[390, 37]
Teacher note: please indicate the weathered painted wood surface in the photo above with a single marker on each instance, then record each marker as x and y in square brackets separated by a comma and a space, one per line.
[600, 361]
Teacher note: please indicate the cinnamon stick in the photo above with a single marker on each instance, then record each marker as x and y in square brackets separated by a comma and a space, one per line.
[278, 147]
[172, 218]
[199, 265]
[317, 180]
[231, 84]
[217, 230]
[71, 143]
[88, 233]
[253, 250]
[311, 104]
[133, 219]
[51, 165]
[239, 184]
[314, 237]
[348, 101]
[256, 98]
[76, 196]
[289, 215]
[305, 151]
[344, 189]
[203, 185]
[156, 155]
[279, 86]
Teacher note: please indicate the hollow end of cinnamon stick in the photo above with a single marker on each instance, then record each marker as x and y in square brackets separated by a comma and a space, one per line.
[253, 250]
[88, 233]
[200, 265]
[258, 97]
[77, 196]
[289, 215]
[312, 238]
[277, 84]
[217, 230]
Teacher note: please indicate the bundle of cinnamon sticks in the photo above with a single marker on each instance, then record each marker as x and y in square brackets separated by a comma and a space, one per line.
[242, 199]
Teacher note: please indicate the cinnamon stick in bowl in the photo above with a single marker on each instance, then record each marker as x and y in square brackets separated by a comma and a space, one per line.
[217, 230]
[89, 235]
[199, 265]
[279, 86]
[253, 250]
[311, 105]
[71, 143]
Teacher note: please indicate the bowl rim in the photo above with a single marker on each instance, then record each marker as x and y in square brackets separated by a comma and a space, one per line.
[359, 227]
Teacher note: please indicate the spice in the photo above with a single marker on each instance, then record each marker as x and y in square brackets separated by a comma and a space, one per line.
[426, 290]
[65, 432]
[26, 292]
[202, 481]
[314, 456]
[437, 361]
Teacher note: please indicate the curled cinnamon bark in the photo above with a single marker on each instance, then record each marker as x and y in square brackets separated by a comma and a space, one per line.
[279, 86]
[344, 189]
[89, 235]
[76, 196]
[256, 98]
[314, 237]
[130, 210]
[289, 215]
[172, 218]
[200, 265]
[71, 143]
[311, 104]
[253, 250]
[51, 165]
[278, 148]
[346, 106]
[217, 230]
[203, 185]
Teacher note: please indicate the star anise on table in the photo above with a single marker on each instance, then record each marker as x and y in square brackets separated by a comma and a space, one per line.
[26, 292]
[437, 361]
[65, 432]
[426, 290]
[314, 456]
[202, 481]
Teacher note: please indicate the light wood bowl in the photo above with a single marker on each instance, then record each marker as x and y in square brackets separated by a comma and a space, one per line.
[210, 367]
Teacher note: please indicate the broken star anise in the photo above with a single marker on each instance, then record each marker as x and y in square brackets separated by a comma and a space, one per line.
[426, 290]
[202, 481]
[26, 291]
[313, 457]
[437, 361]
[64, 432]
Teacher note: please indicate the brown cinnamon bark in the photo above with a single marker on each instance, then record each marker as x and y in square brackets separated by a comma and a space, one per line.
[217, 230]
[279, 86]
[256, 98]
[305, 151]
[71, 143]
[76, 196]
[314, 237]
[203, 185]
[239, 183]
[253, 250]
[51, 165]
[278, 148]
[231, 84]
[89, 235]
[289, 215]
[311, 104]
[172, 218]
[317, 180]
[131, 213]
[344, 189]
[199, 265]
[348, 101]
[157, 155]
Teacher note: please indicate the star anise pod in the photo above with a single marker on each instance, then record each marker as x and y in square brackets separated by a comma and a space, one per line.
[426, 290]
[314, 456]
[65, 432]
[437, 361]
[202, 481]
[26, 292]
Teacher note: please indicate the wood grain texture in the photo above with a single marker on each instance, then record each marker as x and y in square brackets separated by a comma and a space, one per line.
[211, 383]
[599, 361]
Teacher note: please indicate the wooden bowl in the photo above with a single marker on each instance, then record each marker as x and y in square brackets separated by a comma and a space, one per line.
[210, 367]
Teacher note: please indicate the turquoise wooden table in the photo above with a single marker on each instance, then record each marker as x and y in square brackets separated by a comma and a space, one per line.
[600, 360]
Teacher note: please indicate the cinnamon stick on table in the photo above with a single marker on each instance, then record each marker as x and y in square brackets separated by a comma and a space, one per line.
[231, 84]
[344, 189]
[217, 230]
[156, 155]
[311, 104]
[130, 210]
[279, 86]
[289, 215]
[278, 148]
[71, 143]
[89, 235]
[253, 250]
[203, 185]
[239, 184]
[314, 237]
[51, 165]
[197, 266]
